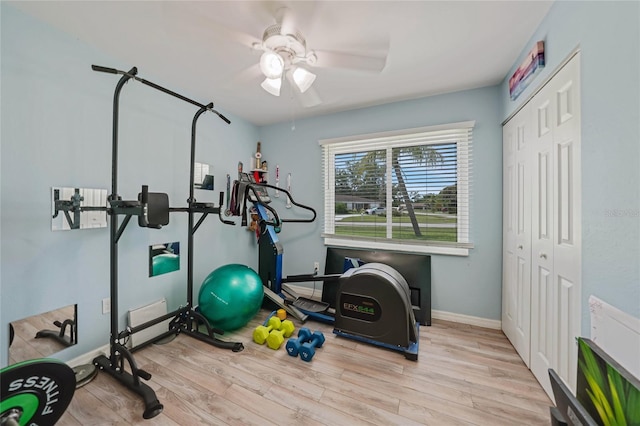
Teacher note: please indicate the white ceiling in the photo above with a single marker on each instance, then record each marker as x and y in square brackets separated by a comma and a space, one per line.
[202, 49]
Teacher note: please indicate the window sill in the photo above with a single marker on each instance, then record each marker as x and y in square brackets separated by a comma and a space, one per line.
[408, 248]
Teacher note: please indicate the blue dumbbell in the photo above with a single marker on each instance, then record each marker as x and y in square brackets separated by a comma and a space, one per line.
[308, 350]
[293, 345]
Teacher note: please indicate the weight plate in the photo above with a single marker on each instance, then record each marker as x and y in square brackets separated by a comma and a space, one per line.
[84, 374]
[168, 339]
[40, 390]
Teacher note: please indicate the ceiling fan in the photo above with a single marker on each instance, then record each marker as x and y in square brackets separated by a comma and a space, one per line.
[286, 56]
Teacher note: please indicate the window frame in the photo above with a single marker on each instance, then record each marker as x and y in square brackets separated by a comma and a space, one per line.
[388, 141]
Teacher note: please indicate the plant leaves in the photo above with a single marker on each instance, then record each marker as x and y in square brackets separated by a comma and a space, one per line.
[599, 408]
[632, 407]
[617, 391]
[591, 364]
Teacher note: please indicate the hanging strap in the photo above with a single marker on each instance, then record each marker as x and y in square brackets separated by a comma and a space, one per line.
[234, 207]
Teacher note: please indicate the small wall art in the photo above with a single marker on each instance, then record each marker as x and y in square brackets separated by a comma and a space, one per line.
[525, 73]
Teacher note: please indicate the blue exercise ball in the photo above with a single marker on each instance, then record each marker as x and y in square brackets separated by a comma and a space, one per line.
[231, 296]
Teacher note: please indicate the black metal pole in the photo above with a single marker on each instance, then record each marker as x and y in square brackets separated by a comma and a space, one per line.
[114, 217]
[192, 171]
[114, 144]
[191, 202]
[158, 87]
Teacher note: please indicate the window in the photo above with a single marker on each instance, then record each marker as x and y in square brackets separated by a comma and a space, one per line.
[406, 190]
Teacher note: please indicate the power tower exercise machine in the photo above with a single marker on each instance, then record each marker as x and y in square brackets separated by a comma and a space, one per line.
[153, 211]
[373, 300]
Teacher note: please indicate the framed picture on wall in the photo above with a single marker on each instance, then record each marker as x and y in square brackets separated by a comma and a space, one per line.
[533, 63]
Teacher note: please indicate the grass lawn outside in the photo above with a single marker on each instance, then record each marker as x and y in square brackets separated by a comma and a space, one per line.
[373, 226]
[398, 232]
[422, 219]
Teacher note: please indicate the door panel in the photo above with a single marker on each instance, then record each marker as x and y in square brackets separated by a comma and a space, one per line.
[565, 187]
[517, 234]
[556, 260]
[567, 250]
[544, 203]
[566, 367]
[542, 228]
[509, 310]
[542, 323]
[543, 309]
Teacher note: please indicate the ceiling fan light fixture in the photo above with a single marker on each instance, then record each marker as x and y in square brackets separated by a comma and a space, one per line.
[271, 65]
[303, 79]
[272, 85]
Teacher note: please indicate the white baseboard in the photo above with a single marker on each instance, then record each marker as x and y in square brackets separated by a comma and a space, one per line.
[442, 315]
[89, 356]
[467, 319]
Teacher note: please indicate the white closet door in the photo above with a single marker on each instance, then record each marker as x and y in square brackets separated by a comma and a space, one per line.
[556, 227]
[517, 233]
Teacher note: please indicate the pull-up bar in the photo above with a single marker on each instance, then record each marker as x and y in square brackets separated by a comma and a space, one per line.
[134, 71]
[132, 74]
[186, 320]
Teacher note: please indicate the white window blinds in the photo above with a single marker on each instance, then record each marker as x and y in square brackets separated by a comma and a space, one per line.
[406, 190]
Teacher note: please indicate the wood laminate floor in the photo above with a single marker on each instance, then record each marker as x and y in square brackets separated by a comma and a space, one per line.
[27, 346]
[465, 375]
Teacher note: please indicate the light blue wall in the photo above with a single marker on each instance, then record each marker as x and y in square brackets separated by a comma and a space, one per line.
[464, 285]
[56, 131]
[608, 34]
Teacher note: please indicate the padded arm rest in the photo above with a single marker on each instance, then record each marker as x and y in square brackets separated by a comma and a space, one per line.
[157, 210]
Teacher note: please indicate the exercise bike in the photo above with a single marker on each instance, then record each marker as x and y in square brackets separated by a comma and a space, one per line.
[373, 300]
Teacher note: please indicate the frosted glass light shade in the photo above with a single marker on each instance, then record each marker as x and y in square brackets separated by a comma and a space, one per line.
[272, 85]
[303, 79]
[271, 65]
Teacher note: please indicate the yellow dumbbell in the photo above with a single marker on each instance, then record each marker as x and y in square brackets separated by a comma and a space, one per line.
[276, 337]
[261, 332]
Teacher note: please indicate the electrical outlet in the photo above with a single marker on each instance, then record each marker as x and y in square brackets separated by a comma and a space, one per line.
[106, 305]
[316, 266]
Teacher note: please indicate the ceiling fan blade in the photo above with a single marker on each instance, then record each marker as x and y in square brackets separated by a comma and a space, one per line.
[284, 16]
[310, 98]
[249, 75]
[328, 59]
[193, 22]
